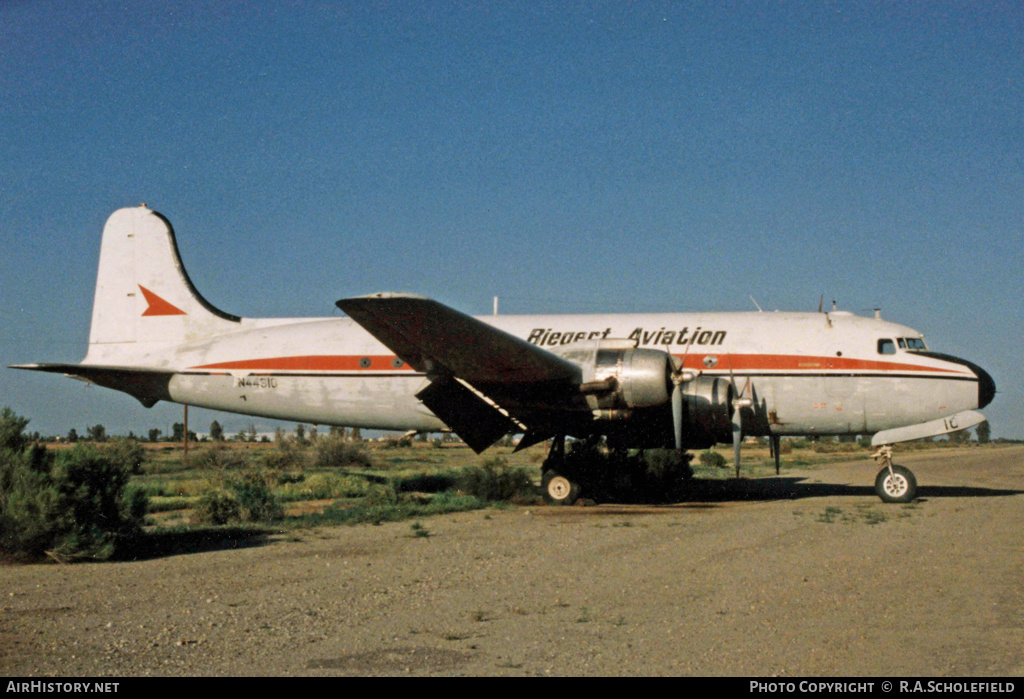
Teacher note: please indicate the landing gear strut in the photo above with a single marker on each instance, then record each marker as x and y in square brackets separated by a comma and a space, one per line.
[558, 487]
[893, 483]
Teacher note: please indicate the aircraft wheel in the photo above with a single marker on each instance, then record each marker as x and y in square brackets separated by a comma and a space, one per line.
[899, 486]
[559, 490]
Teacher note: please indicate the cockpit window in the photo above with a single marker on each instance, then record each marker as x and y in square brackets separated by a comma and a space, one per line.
[914, 343]
[902, 342]
[886, 346]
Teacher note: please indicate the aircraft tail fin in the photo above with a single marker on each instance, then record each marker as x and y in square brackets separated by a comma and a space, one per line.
[143, 294]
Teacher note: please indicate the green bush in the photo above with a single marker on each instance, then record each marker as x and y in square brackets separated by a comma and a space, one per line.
[217, 458]
[12, 428]
[379, 494]
[666, 467]
[216, 506]
[243, 497]
[495, 481]
[127, 452]
[287, 457]
[255, 501]
[73, 504]
[712, 459]
[336, 452]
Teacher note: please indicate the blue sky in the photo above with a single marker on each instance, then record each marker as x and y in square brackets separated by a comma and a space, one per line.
[566, 157]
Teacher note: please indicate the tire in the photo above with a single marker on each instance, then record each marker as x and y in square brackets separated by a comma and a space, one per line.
[559, 490]
[901, 486]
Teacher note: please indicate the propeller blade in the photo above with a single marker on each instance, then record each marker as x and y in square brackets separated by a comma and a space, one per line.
[737, 436]
[677, 415]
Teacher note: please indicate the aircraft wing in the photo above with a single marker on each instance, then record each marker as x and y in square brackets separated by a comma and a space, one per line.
[485, 382]
[441, 341]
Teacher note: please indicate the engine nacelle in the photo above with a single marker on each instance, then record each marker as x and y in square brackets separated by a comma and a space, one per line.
[620, 379]
[707, 411]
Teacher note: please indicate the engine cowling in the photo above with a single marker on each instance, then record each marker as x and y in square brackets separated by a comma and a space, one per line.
[629, 379]
[623, 383]
[707, 411]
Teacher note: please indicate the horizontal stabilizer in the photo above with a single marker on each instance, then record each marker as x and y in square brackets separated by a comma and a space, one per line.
[148, 386]
[954, 423]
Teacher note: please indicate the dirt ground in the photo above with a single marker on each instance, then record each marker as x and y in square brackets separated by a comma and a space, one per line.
[804, 574]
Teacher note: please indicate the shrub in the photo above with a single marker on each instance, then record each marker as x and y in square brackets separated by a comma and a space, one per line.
[494, 481]
[335, 452]
[287, 456]
[216, 506]
[242, 497]
[333, 485]
[217, 458]
[127, 452]
[712, 459]
[255, 501]
[379, 494]
[12, 427]
[666, 467]
[74, 504]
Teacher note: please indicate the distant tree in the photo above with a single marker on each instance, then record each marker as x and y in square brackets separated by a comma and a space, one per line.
[300, 433]
[72, 435]
[984, 432]
[154, 435]
[97, 433]
[252, 432]
[216, 432]
[177, 432]
[356, 435]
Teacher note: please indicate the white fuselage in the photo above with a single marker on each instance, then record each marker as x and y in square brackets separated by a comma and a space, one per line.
[809, 373]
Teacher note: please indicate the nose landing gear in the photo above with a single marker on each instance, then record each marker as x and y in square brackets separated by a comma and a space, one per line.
[893, 483]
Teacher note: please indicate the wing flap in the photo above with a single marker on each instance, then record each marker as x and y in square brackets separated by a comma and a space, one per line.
[478, 423]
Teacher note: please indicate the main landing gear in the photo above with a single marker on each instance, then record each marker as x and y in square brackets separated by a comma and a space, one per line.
[559, 487]
[893, 483]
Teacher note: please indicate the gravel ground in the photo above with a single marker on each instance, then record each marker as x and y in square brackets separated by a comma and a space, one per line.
[805, 574]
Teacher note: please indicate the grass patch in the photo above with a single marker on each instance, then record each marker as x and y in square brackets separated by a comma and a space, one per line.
[364, 512]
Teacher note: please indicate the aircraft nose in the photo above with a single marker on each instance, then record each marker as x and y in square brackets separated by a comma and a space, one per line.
[986, 387]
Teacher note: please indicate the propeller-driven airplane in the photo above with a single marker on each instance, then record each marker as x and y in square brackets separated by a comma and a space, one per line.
[406, 362]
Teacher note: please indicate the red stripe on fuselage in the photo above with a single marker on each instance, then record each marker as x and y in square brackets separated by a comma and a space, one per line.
[745, 363]
[315, 362]
[802, 363]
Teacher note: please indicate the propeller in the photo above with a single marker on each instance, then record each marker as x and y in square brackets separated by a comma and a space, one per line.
[743, 399]
[679, 375]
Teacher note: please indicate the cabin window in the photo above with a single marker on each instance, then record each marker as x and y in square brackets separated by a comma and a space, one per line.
[886, 346]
